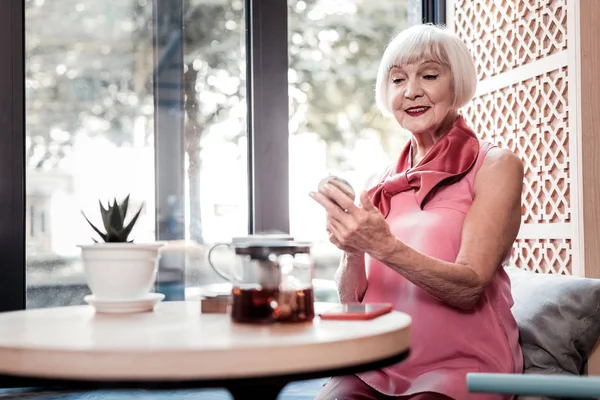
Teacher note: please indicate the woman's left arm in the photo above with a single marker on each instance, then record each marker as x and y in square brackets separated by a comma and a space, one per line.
[489, 231]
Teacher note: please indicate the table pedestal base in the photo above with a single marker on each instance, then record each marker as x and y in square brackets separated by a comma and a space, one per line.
[262, 391]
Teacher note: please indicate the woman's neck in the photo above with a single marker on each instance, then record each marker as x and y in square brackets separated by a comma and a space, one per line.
[422, 142]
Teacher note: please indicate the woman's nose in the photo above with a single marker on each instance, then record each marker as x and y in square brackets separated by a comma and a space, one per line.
[413, 90]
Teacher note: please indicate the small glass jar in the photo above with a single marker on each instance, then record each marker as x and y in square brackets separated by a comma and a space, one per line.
[273, 283]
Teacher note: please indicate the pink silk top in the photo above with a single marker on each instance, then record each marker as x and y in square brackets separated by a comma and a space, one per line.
[446, 342]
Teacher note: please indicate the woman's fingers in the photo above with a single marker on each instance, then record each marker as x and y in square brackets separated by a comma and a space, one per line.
[329, 205]
[339, 231]
[366, 202]
[345, 220]
[333, 227]
[339, 197]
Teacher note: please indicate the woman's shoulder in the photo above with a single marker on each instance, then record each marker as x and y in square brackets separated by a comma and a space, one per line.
[491, 153]
[494, 161]
[484, 148]
[500, 167]
[499, 158]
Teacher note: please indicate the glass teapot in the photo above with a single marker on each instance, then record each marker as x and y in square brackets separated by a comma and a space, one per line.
[228, 273]
[272, 281]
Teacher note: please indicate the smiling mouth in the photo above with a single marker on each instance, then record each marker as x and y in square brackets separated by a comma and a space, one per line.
[416, 111]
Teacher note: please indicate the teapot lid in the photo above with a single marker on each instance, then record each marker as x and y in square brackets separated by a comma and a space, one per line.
[261, 237]
[264, 248]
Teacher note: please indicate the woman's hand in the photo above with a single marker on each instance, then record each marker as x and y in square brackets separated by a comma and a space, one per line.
[350, 252]
[355, 228]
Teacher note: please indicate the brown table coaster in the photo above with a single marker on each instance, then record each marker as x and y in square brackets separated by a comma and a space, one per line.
[214, 305]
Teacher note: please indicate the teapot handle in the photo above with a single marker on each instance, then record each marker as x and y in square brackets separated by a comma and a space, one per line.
[221, 273]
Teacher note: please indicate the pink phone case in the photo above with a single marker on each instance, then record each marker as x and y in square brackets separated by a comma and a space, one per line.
[348, 312]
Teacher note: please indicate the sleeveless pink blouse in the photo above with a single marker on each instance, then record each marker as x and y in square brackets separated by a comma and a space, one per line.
[446, 342]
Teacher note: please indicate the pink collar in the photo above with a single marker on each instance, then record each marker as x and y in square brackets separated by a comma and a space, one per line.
[451, 157]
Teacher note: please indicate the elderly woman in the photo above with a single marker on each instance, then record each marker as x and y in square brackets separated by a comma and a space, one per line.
[432, 235]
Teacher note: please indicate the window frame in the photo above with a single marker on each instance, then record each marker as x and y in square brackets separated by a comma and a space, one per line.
[268, 115]
[434, 11]
[12, 156]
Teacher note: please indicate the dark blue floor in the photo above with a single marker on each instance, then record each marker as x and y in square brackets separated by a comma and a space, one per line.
[305, 390]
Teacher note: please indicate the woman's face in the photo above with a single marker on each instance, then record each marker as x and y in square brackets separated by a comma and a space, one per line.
[422, 96]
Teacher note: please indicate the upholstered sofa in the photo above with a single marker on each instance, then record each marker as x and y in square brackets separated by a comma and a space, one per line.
[559, 326]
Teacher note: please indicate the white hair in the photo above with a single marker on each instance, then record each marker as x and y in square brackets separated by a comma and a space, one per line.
[427, 42]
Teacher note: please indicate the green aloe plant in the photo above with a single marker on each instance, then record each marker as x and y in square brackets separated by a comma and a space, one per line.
[113, 219]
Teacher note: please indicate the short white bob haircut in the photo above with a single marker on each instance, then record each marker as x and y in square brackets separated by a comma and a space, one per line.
[427, 42]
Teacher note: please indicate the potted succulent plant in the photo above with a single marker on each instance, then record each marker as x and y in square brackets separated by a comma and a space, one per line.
[115, 267]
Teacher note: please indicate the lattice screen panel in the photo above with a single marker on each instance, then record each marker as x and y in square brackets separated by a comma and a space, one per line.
[531, 119]
[525, 110]
[546, 256]
[507, 34]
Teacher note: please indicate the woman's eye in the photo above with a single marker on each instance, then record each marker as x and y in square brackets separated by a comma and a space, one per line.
[430, 77]
[397, 80]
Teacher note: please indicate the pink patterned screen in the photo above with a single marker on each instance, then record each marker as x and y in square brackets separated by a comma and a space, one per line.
[522, 104]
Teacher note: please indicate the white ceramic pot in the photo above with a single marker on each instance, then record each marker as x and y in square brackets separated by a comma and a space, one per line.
[120, 270]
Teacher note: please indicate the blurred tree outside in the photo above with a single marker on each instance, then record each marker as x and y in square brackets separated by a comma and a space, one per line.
[89, 68]
[335, 48]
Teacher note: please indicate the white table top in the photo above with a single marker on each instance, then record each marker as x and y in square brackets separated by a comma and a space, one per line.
[177, 342]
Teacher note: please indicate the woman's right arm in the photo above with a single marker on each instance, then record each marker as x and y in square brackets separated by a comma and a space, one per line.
[351, 278]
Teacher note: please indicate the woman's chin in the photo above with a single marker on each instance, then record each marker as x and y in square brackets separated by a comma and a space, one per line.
[419, 128]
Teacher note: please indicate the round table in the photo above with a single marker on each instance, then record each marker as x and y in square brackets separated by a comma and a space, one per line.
[178, 346]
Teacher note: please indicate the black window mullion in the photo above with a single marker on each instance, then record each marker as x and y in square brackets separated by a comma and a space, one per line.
[169, 118]
[268, 114]
[434, 11]
[169, 141]
[440, 11]
[12, 156]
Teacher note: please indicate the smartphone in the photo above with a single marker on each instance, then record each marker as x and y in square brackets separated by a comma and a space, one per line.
[347, 312]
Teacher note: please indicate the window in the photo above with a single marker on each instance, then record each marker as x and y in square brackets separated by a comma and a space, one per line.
[114, 88]
[184, 105]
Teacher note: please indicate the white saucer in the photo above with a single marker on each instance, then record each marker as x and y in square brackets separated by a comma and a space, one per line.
[142, 304]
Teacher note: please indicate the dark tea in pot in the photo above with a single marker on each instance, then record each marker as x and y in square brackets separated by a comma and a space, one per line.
[275, 283]
[260, 305]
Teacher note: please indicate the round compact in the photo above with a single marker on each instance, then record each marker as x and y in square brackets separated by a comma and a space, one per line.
[341, 183]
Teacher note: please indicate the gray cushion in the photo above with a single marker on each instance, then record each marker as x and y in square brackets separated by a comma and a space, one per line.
[558, 318]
